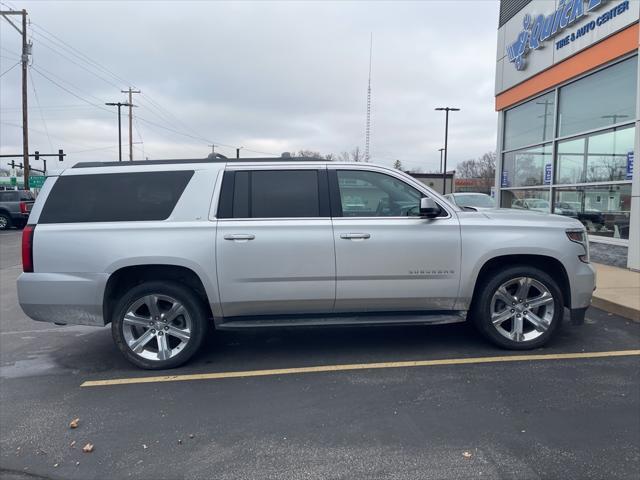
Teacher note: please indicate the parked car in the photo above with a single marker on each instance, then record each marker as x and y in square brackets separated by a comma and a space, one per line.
[164, 250]
[565, 208]
[15, 206]
[472, 200]
[536, 204]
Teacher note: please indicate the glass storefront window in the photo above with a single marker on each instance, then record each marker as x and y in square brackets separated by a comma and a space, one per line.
[607, 155]
[604, 209]
[529, 123]
[601, 157]
[529, 199]
[527, 167]
[604, 98]
[571, 161]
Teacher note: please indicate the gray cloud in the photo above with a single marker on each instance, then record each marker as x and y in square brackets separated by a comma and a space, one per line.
[270, 76]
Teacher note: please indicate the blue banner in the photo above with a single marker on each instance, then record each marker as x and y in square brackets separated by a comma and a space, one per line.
[630, 156]
[547, 174]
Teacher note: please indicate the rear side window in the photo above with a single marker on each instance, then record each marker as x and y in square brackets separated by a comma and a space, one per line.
[114, 197]
[7, 197]
[274, 194]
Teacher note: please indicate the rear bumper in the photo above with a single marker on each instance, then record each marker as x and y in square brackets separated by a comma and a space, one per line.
[63, 297]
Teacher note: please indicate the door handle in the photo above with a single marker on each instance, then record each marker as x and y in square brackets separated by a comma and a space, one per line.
[239, 236]
[355, 236]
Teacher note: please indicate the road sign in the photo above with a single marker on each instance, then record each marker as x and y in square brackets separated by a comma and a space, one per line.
[36, 182]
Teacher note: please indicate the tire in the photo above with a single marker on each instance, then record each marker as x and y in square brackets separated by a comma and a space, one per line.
[523, 324]
[5, 221]
[165, 335]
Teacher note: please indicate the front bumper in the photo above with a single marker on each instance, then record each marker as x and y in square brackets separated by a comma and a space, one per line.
[583, 283]
[68, 298]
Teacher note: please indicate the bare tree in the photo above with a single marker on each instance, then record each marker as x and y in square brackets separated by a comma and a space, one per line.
[397, 165]
[356, 155]
[344, 157]
[309, 154]
[483, 167]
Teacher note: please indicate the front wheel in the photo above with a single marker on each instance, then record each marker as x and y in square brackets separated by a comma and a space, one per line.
[159, 325]
[519, 308]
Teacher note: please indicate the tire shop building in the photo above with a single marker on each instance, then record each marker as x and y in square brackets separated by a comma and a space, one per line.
[569, 114]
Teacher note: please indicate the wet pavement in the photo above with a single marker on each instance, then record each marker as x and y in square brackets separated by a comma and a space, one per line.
[565, 418]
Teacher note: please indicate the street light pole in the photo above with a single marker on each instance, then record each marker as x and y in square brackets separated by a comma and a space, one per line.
[119, 105]
[446, 138]
[441, 150]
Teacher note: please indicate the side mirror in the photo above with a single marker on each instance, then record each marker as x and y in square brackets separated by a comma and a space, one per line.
[429, 208]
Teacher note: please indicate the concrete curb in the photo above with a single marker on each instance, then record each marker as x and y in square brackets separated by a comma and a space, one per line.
[617, 309]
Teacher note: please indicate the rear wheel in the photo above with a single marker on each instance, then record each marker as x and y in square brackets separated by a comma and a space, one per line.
[5, 221]
[519, 308]
[159, 325]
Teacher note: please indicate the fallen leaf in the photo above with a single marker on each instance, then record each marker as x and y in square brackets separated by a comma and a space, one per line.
[144, 446]
[467, 455]
[74, 423]
[55, 465]
[73, 444]
[88, 448]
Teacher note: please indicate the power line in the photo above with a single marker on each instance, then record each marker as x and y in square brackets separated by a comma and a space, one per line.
[46, 129]
[10, 68]
[78, 54]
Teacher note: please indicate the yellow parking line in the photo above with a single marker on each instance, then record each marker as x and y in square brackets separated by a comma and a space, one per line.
[358, 366]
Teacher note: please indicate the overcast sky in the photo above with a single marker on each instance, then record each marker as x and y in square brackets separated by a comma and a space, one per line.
[268, 76]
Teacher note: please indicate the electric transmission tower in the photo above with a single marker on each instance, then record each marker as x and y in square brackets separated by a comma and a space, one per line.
[367, 135]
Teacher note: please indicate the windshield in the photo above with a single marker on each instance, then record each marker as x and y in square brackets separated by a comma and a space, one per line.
[482, 201]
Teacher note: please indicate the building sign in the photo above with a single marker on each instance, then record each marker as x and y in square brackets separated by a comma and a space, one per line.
[537, 31]
[629, 175]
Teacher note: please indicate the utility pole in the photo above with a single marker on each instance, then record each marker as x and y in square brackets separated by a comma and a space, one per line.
[131, 105]
[238, 152]
[213, 150]
[446, 149]
[119, 105]
[26, 52]
[367, 134]
[441, 150]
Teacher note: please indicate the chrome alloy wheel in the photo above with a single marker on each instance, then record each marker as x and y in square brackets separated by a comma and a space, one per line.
[3, 222]
[522, 309]
[156, 327]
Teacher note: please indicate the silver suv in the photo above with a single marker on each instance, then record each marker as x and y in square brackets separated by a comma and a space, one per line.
[164, 250]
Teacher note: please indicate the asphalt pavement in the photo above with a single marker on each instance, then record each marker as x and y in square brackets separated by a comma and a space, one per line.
[553, 417]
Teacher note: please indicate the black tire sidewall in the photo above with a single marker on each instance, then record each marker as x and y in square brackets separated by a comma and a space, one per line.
[482, 310]
[191, 302]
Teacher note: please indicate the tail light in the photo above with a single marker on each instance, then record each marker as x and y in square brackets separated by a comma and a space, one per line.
[23, 207]
[27, 248]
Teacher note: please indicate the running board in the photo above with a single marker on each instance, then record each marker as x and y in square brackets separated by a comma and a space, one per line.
[364, 319]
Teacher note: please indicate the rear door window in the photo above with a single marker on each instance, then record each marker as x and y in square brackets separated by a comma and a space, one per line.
[114, 197]
[274, 194]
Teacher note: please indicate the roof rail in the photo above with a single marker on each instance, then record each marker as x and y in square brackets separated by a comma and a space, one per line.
[197, 160]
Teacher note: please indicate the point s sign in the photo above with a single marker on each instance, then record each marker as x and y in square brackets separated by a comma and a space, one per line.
[540, 28]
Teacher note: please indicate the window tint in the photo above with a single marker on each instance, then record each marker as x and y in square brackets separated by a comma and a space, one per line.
[7, 197]
[114, 197]
[372, 194]
[26, 195]
[284, 193]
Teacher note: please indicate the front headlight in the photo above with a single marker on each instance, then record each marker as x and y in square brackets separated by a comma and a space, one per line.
[579, 235]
